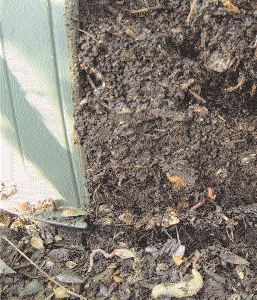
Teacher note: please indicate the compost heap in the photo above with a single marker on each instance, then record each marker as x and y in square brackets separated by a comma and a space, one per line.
[169, 103]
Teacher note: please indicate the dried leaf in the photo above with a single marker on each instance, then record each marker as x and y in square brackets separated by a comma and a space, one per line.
[32, 288]
[31, 230]
[218, 62]
[131, 33]
[112, 266]
[183, 204]
[125, 253]
[58, 238]
[143, 221]
[37, 243]
[105, 209]
[125, 111]
[74, 212]
[152, 222]
[127, 217]
[169, 218]
[138, 225]
[100, 276]
[117, 279]
[240, 272]
[161, 268]
[229, 6]
[180, 251]
[107, 221]
[4, 269]
[60, 293]
[177, 181]
[39, 211]
[233, 258]
[202, 110]
[18, 223]
[178, 261]
[59, 254]
[25, 207]
[151, 249]
[68, 276]
[5, 220]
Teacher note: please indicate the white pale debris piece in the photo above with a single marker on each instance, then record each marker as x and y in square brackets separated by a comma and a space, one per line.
[180, 289]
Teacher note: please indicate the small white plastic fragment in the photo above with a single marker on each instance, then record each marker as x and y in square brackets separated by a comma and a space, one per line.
[179, 289]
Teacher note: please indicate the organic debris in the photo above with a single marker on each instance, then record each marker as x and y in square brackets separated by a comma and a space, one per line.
[180, 289]
[139, 261]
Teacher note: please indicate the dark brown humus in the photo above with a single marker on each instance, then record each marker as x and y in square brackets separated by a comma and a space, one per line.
[164, 96]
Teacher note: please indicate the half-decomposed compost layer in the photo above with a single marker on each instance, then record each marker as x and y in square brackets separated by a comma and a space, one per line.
[169, 103]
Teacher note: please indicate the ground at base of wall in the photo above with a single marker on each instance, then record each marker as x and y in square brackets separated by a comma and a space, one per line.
[216, 261]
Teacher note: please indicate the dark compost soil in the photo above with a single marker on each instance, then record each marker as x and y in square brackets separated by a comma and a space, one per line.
[168, 112]
[169, 106]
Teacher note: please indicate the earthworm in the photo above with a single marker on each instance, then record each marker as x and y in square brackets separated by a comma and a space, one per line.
[91, 261]
[198, 205]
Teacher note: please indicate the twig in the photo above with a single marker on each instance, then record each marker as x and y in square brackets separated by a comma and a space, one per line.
[192, 11]
[91, 82]
[88, 34]
[197, 96]
[43, 272]
[222, 118]
[91, 261]
[234, 297]
[142, 10]
[177, 234]
[253, 45]
[240, 83]
[165, 230]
